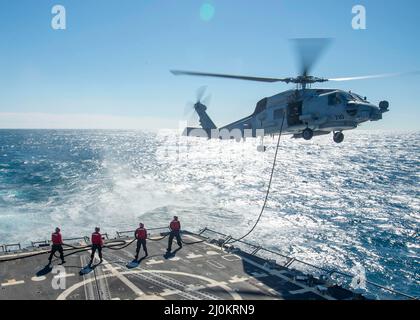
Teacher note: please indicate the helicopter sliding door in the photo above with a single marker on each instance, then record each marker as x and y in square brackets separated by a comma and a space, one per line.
[294, 111]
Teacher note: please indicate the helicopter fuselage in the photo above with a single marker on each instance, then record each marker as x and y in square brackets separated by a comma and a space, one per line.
[306, 113]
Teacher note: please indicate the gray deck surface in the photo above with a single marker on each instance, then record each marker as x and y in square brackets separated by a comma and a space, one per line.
[196, 272]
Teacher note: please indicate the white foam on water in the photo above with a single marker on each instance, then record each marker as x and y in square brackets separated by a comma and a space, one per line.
[336, 206]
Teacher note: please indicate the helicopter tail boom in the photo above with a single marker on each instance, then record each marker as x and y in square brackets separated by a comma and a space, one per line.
[205, 121]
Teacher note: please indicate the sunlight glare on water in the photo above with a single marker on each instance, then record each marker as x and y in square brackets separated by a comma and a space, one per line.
[337, 206]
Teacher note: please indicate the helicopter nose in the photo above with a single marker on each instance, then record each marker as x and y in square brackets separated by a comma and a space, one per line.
[364, 111]
[375, 114]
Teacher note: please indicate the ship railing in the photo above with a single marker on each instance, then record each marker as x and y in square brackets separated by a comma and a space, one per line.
[46, 243]
[290, 261]
[10, 247]
[130, 233]
[40, 244]
[74, 239]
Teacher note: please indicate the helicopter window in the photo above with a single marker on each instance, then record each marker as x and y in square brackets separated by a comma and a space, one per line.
[278, 114]
[333, 99]
[261, 106]
[357, 97]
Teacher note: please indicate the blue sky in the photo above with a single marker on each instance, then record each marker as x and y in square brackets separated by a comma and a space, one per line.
[113, 60]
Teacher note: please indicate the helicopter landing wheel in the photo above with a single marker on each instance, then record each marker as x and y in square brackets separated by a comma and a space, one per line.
[307, 134]
[338, 137]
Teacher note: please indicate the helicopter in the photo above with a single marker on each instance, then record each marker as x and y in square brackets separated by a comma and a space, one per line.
[303, 112]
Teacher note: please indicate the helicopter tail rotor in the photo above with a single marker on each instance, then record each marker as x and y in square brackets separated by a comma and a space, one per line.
[193, 110]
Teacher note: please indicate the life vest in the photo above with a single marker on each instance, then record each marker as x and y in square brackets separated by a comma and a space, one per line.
[175, 225]
[97, 238]
[56, 238]
[141, 233]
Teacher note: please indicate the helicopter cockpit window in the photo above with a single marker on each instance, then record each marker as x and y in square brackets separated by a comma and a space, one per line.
[334, 99]
[357, 97]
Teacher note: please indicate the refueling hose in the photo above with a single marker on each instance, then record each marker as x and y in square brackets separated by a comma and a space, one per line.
[268, 188]
[112, 245]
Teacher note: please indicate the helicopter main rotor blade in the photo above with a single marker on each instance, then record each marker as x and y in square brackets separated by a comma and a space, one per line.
[226, 76]
[309, 50]
[376, 76]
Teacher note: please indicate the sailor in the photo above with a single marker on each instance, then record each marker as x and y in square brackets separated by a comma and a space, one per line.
[141, 236]
[57, 245]
[175, 227]
[97, 244]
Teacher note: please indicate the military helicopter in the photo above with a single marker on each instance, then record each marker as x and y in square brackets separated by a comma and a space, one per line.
[302, 112]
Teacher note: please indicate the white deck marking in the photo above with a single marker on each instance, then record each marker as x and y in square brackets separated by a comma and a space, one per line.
[88, 288]
[124, 279]
[193, 287]
[216, 284]
[107, 269]
[169, 292]
[153, 261]
[212, 253]
[102, 283]
[212, 283]
[192, 255]
[273, 272]
[174, 258]
[216, 264]
[231, 257]
[37, 279]
[64, 275]
[12, 282]
[236, 279]
[280, 275]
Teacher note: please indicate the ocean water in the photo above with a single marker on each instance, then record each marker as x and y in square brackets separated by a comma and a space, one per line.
[354, 205]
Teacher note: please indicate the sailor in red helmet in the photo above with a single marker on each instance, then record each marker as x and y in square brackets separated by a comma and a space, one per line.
[97, 244]
[141, 236]
[57, 245]
[175, 227]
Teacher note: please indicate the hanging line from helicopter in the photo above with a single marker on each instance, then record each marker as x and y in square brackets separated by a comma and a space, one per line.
[267, 194]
